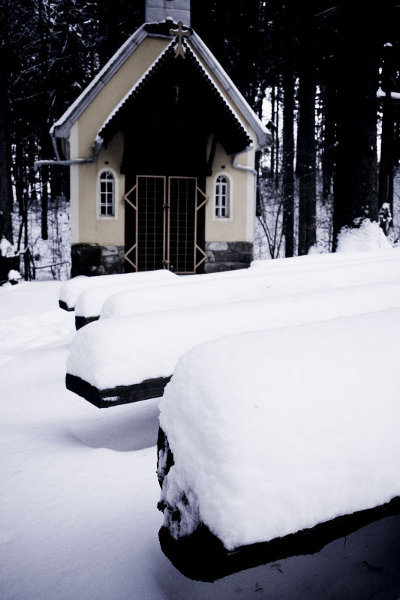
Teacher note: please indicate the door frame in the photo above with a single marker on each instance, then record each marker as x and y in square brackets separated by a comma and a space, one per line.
[131, 197]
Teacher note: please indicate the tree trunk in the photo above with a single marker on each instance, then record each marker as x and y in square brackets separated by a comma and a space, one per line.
[6, 199]
[388, 132]
[355, 188]
[329, 120]
[287, 162]
[305, 163]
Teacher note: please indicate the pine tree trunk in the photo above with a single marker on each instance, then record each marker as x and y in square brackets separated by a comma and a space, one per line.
[388, 134]
[305, 163]
[329, 120]
[288, 162]
[355, 188]
[6, 199]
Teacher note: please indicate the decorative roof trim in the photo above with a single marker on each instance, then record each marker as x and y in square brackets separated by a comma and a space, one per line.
[133, 88]
[149, 71]
[62, 127]
[230, 88]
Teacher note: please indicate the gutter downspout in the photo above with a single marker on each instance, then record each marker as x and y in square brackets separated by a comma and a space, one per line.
[255, 174]
[98, 143]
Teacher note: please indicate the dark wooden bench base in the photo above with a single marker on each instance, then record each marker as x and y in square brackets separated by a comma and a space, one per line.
[123, 394]
[64, 306]
[82, 321]
[202, 557]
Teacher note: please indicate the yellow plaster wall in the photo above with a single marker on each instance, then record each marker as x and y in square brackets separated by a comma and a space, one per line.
[129, 73]
[92, 228]
[240, 225]
[86, 226]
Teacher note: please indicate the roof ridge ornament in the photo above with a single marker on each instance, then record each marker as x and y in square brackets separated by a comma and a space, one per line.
[180, 34]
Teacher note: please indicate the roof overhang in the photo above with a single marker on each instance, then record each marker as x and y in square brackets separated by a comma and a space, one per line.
[202, 100]
[61, 128]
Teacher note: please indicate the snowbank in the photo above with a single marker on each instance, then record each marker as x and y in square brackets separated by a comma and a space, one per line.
[71, 289]
[262, 282]
[368, 237]
[128, 350]
[274, 432]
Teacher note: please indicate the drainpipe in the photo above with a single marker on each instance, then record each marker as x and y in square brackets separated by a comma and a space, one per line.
[254, 172]
[73, 161]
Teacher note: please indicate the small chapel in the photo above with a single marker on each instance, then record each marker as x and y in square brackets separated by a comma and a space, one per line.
[161, 148]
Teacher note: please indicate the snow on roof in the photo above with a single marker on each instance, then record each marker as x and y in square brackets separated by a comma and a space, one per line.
[71, 289]
[152, 69]
[226, 82]
[275, 432]
[134, 88]
[128, 350]
[62, 126]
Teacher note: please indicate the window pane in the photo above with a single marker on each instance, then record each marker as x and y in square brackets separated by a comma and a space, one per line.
[222, 197]
[106, 194]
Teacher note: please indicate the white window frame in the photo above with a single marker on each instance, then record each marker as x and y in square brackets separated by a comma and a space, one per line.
[100, 216]
[218, 208]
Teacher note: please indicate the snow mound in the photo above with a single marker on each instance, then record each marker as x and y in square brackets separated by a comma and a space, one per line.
[368, 237]
[274, 432]
[71, 289]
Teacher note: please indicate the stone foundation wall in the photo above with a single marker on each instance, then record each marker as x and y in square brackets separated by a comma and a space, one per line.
[228, 256]
[92, 259]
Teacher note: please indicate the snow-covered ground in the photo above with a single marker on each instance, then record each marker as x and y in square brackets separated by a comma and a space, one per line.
[78, 516]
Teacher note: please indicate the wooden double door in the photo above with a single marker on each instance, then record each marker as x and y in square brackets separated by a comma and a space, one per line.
[164, 224]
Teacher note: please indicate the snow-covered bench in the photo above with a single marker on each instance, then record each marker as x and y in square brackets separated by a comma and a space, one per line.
[128, 299]
[119, 360]
[275, 443]
[90, 302]
[274, 278]
[71, 289]
[267, 281]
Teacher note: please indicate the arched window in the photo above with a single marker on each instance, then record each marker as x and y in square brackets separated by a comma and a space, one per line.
[222, 197]
[106, 194]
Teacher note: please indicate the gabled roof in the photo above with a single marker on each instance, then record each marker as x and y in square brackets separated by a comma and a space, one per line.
[62, 127]
[203, 96]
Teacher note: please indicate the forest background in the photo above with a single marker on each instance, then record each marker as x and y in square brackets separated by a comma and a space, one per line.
[326, 77]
